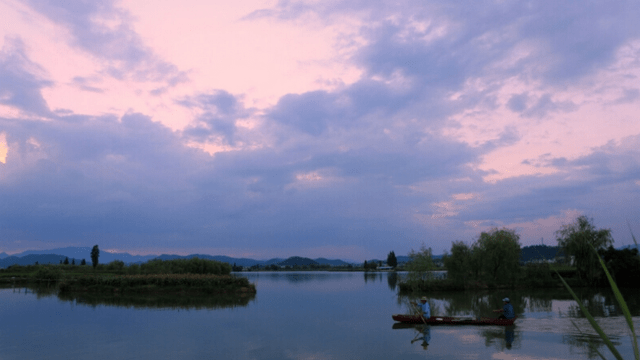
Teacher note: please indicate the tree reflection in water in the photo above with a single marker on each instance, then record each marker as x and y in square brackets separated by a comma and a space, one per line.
[588, 344]
[372, 276]
[139, 301]
[501, 338]
[161, 301]
[392, 280]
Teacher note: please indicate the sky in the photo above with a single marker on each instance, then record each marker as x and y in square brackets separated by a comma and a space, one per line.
[338, 129]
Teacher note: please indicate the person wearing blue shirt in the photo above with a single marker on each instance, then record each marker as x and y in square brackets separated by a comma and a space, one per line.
[507, 310]
[424, 307]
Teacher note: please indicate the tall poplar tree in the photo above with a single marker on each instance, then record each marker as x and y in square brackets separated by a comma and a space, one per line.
[95, 254]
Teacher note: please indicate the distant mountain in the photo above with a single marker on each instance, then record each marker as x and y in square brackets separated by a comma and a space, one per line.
[323, 261]
[85, 253]
[274, 261]
[30, 257]
[539, 252]
[297, 260]
[33, 258]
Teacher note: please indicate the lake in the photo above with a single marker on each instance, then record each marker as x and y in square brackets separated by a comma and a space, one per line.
[305, 315]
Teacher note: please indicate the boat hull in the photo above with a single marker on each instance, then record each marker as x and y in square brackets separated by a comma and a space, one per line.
[447, 320]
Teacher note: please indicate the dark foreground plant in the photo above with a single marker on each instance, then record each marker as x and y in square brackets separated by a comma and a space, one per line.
[623, 307]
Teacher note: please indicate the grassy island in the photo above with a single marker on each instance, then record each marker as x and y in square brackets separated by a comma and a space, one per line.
[192, 276]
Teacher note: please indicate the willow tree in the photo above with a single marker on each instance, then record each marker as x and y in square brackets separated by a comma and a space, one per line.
[421, 262]
[577, 240]
[458, 263]
[499, 250]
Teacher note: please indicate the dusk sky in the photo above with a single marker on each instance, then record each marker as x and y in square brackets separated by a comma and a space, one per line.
[338, 129]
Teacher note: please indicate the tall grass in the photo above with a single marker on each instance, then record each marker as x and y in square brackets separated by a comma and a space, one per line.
[623, 307]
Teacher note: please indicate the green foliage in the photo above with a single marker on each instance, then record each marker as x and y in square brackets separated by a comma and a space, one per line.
[369, 265]
[623, 307]
[538, 276]
[83, 262]
[576, 239]
[116, 266]
[624, 265]
[458, 264]
[392, 260]
[185, 266]
[133, 269]
[421, 262]
[95, 254]
[500, 254]
[66, 261]
[48, 273]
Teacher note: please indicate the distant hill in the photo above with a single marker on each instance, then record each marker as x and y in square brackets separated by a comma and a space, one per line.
[274, 261]
[33, 258]
[297, 260]
[539, 252]
[85, 253]
[323, 261]
[79, 253]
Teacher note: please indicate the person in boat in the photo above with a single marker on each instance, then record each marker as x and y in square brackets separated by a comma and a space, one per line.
[425, 308]
[507, 310]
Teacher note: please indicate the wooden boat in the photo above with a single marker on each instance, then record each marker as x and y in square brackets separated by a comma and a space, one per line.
[449, 320]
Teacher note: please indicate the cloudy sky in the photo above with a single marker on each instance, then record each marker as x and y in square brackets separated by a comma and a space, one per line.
[341, 129]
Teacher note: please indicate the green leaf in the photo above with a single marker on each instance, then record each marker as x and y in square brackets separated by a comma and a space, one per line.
[592, 321]
[623, 307]
[580, 331]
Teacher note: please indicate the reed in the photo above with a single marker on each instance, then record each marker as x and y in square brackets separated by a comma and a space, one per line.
[623, 307]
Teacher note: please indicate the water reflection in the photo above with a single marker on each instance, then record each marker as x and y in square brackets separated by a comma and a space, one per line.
[421, 333]
[137, 301]
[372, 276]
[590, 345]
[466, 303]
[424, 335]
[501, 338]
[537, 302]
[173, 302]
[290, 277]
[41, 290]
[319, 315]
[392, 280]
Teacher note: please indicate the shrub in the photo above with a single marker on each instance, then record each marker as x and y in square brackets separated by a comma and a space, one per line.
[116, 265]
[48, 273]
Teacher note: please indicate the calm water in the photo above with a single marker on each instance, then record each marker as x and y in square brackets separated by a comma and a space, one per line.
[303, 316]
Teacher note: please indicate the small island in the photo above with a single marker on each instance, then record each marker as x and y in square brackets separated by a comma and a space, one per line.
[192, 276]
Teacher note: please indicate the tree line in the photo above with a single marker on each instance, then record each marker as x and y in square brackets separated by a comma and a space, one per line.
[494, 260]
